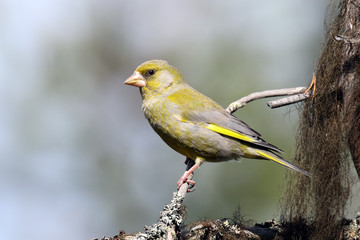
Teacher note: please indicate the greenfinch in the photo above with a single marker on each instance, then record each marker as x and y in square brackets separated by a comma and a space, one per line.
[193, 124]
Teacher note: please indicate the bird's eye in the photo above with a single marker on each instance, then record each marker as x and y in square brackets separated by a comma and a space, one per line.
[151, 72]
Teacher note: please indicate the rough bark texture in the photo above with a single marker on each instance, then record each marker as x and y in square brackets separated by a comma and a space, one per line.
[348, 41]
[174, 228]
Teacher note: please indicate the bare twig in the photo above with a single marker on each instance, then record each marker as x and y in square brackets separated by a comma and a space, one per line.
[288, 100]
[347, 39]
[299, 94]
[265, 94]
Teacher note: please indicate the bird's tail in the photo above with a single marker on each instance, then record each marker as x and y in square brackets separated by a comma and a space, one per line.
[271, 156]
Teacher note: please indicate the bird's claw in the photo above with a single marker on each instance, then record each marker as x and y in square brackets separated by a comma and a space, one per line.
[184, 180]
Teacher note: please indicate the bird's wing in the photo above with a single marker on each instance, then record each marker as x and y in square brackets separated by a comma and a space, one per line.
[199, 109]
[228, 125]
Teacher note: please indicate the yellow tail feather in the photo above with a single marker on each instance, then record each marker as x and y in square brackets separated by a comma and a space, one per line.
[279, 160]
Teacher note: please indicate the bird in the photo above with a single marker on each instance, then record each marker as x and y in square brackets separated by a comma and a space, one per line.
[193, 124]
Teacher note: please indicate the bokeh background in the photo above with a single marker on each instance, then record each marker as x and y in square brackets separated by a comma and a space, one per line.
[78, 160]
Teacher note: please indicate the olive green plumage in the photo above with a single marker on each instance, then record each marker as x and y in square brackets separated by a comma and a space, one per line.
[193, 124]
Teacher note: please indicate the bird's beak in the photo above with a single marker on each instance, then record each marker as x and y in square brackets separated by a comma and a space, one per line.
[136, 80]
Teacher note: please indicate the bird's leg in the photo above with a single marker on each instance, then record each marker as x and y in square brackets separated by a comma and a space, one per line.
[189, 164]
[190, 168]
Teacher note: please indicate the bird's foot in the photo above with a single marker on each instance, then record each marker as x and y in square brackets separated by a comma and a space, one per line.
[186, 177]
[190, 182]
[186, 180]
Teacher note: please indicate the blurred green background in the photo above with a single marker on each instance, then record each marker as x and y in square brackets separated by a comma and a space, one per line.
[78, 159]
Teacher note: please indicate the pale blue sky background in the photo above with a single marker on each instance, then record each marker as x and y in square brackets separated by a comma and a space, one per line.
[78, 159]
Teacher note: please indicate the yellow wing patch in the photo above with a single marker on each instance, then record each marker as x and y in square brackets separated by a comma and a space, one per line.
[230, 133]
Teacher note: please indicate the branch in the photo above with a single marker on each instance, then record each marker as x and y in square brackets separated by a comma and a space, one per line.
[288, 100]
[347, 39]
[299, 94]
[265, 94]
[171, 218]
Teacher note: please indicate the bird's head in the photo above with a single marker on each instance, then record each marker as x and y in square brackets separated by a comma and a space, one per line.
[154, 76]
